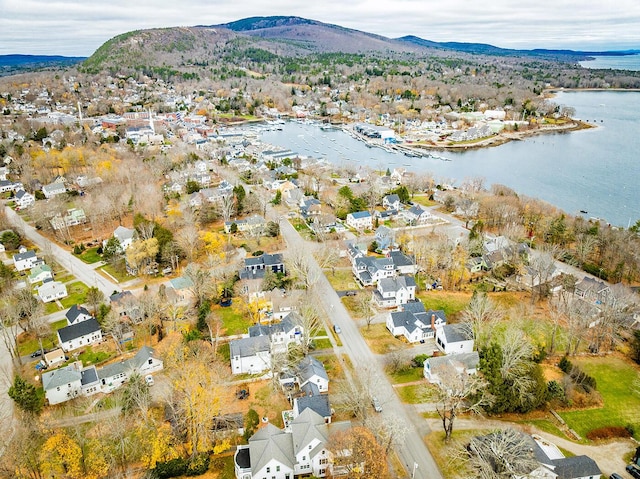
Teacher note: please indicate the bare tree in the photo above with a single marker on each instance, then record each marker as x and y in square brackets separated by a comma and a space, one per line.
[365, 308]
[200, 282]
[302, 267]
[481, 317]
[457, 393]
[501, 454]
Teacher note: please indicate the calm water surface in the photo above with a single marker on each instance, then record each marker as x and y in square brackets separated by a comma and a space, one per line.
[593, 170]
[627, 62]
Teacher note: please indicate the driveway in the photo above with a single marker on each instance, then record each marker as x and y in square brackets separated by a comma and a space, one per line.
[413, 451]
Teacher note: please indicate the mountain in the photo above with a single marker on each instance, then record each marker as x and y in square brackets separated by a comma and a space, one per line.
[318, 36]
[486, 49]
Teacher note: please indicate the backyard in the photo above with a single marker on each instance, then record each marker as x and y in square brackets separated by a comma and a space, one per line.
[615, 378]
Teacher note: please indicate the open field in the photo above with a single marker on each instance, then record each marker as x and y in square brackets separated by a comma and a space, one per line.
[614, 377]
[341, 279]
[233, 319]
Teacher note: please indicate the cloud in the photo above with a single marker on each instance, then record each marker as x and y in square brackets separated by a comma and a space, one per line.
[78, 27]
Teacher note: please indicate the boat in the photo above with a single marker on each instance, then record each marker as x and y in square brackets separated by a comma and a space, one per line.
[584, 212]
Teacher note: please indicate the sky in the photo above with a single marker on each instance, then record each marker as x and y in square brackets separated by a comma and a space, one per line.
[79, 27]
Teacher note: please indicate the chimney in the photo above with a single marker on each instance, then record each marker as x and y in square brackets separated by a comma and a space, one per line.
[433, 322]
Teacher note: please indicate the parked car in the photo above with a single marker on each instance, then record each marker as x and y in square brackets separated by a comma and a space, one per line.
[376, 404]
[149, 380]
[633, 470]
[226, 302]
[37, 353]
[337, 329]
[615, 476]
[351, 293]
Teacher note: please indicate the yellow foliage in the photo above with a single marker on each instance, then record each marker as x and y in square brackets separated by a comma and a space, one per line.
[222, 446]
[213, 243]
[61, 456]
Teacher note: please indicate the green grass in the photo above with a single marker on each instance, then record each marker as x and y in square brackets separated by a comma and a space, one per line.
[614, 377]
[89, 356]
[547, 426]
[322, 343]
[451, 302]
[380, 340]
[224, 465]
[407, 375]
[50, 308]
[423, 200]
[27, 344]
[341, 279]
[77, 294]
[412, 394]
[90, 256]
[117, 273]
[224, 351]
[233, 319]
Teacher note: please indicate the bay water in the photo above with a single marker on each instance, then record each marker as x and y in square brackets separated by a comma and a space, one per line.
[594, 170]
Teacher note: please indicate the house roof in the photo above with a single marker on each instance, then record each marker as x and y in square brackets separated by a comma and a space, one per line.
[181, 282]
[456, 332]
[247, 347]
[60, 377]
[123, 233]
[50, 287]
[318, 404]
[41, 268]
[270, 443]
[89, 375]
[401, 259]
[23, 256]
[131, 364]
[78, 330]
[391, 198]
[116, 297]
[576, 467]
[395, 284]
[288, 323]
[310, 367]
[360, 215]
[74, 312]
[466, 360]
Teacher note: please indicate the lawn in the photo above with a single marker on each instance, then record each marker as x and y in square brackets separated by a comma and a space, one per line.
[452, 302]
[614, 377]
[233, 319]
[50, 308]
[423, 200]
[411, 394]
[90, 256]
[28, 344]
[448, 456]
[119, 274]
[380, 340]
[77, 294]
[89, 356]
[408, 375]
[323, 343]
[341, 279]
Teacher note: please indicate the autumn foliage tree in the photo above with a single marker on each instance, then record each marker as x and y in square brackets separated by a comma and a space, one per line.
[357, 455]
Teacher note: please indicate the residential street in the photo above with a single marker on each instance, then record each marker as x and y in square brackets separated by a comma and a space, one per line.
[354, 346]
[84, 272]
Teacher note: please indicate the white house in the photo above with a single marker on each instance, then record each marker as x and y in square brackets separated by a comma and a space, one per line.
[312, 376]
[360, 220]
[62, 384]
[77, 314]
[51, 290]
[392, 292]
[114, 375]
[454, 339]
[53, 189]
[80, 334]
[456, 364]
[415, 323]
[40, 273]
[26, 260]
[250, 355]
[280, 334]
[298, 450]
[125, 236]
[369, 270]
[391, 202]
[23, 200]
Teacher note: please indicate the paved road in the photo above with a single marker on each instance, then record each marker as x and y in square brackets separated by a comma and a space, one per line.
[413, 450]
[83, 271]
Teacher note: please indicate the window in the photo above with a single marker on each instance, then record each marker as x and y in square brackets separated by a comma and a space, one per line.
[309, 446]
[323, 461]
[277, 468]
[268, 470]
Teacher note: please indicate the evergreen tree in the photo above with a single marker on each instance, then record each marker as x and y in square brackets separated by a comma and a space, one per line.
[25, 396]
